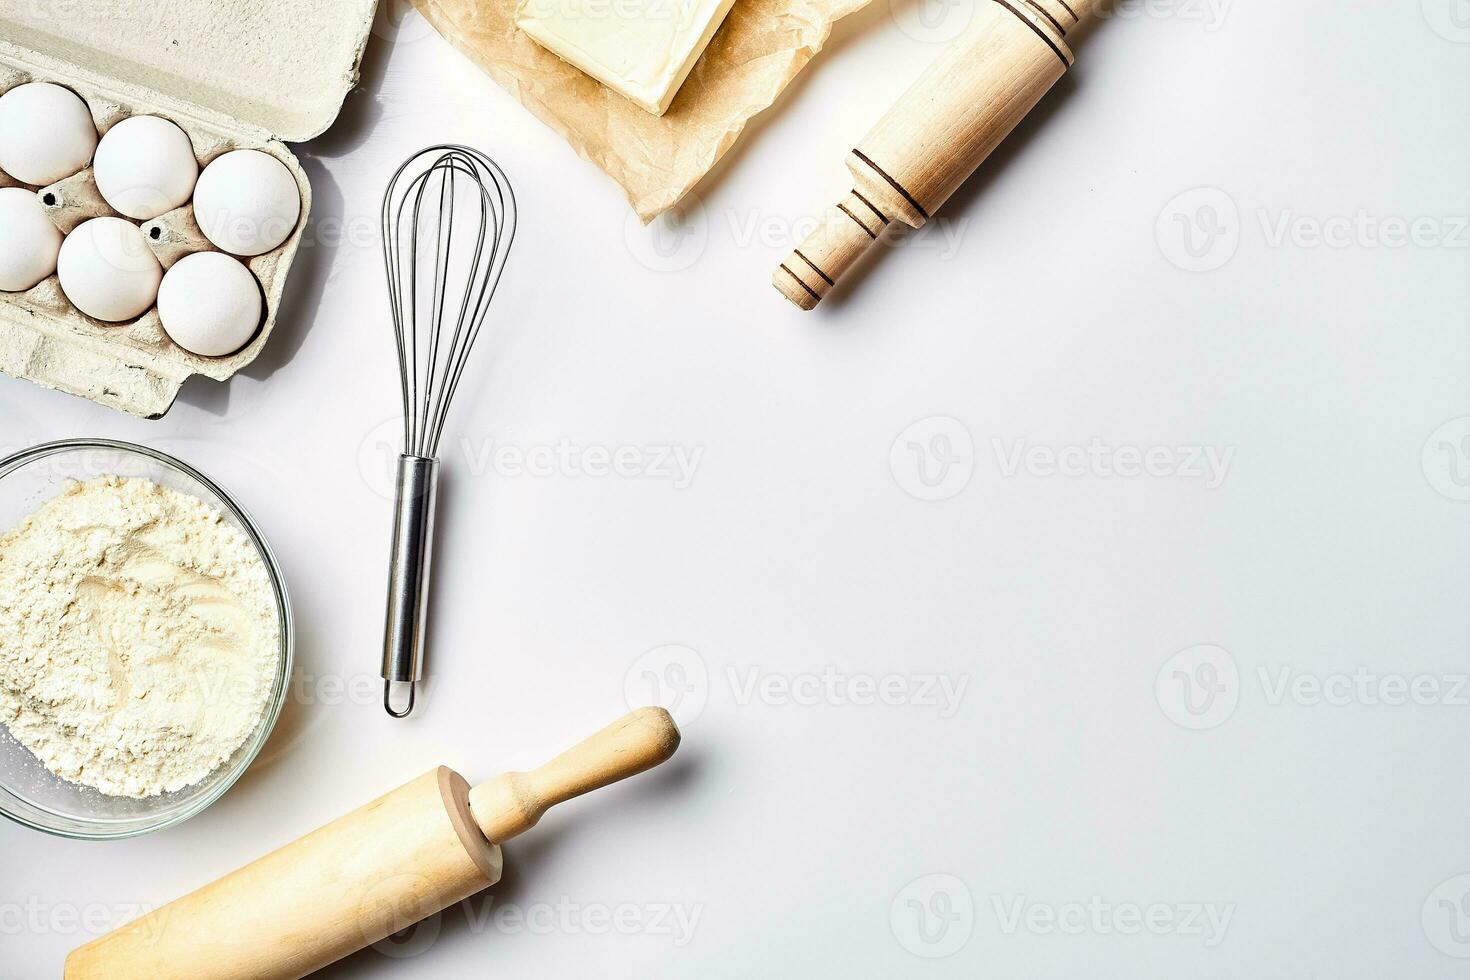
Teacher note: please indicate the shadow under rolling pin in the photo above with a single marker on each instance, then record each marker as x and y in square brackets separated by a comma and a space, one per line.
[938, 133]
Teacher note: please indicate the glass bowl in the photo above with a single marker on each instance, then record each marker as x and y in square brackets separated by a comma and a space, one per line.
[29, 793]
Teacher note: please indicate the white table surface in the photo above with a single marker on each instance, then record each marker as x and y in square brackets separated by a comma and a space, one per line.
[1067, 808]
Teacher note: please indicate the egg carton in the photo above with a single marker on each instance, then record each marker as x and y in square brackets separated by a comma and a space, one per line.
[134, 366]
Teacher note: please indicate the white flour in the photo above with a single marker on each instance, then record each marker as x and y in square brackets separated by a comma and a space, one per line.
[138, 636]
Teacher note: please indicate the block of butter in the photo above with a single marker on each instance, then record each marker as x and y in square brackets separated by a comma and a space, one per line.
[642, 49]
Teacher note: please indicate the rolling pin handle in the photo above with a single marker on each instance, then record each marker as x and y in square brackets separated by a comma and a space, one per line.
[512, 802]
[846, 231]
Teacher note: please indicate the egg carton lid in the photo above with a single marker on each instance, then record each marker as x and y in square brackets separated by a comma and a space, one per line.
[284, 67]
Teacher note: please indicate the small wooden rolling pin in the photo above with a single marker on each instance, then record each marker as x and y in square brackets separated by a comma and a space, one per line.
[938, 133]
[426, 845]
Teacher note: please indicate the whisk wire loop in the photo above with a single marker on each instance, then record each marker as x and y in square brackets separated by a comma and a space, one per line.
[438, 316]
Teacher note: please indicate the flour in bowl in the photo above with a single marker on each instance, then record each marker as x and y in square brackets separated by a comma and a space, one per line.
[139, 643]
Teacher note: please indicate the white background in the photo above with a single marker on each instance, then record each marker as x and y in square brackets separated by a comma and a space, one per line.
[1053, 305]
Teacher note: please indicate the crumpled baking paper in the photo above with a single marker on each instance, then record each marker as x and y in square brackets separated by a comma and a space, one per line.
[655, 159]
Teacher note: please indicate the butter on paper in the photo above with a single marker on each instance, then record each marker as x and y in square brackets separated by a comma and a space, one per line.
[655, 159]
[641, 48]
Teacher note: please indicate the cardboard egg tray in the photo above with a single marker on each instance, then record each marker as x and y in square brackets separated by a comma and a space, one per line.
[133, 366]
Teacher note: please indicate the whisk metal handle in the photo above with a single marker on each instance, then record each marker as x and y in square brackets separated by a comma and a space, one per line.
[408, 576]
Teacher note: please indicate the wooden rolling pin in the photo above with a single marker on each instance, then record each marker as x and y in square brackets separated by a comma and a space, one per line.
[426, 845]
[937, 134]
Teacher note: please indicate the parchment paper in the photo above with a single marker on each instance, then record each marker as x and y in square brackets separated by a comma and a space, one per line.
[656, 159]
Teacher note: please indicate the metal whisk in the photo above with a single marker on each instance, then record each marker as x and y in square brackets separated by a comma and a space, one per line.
[449, 217]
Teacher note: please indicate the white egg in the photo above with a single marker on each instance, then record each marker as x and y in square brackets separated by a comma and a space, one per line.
[46, 133]
[28, 240]
[246, 202]
[145, 166]
[209, 304]
[107, 270]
